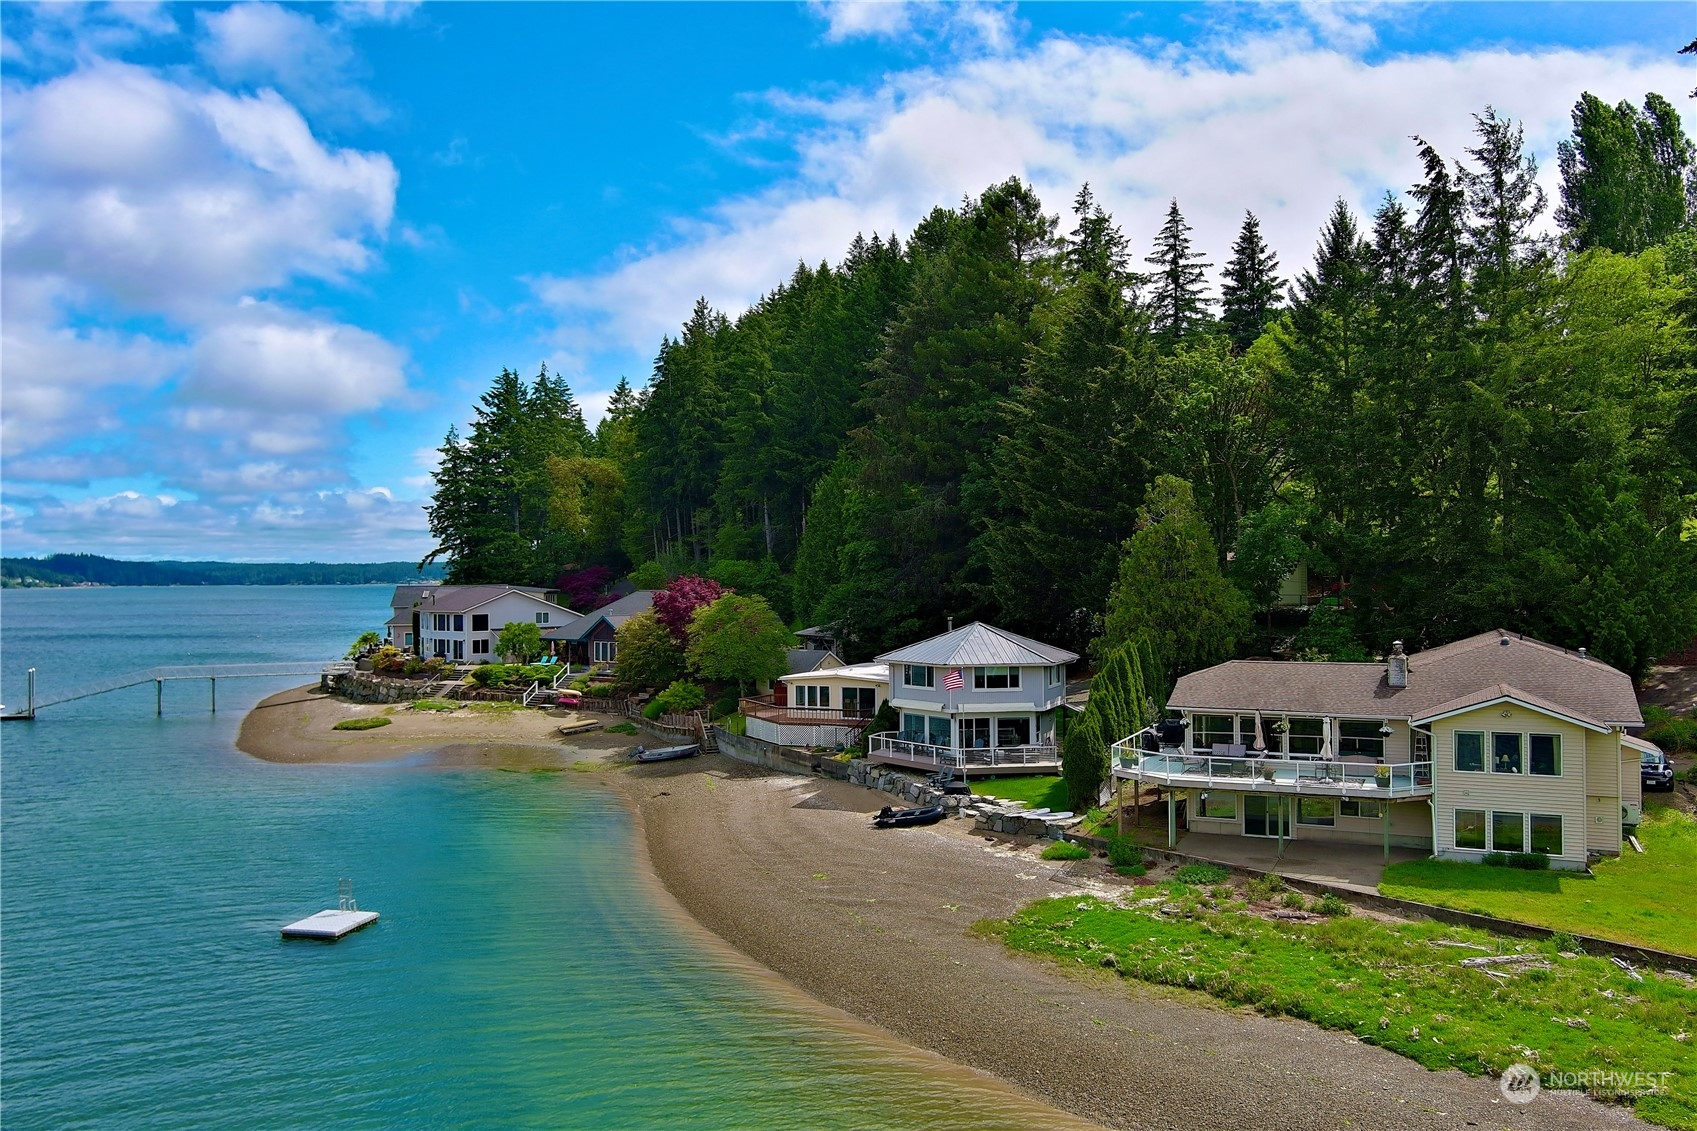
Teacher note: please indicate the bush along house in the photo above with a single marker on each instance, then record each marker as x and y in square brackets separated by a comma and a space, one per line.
[1492, 744]
[978, 699]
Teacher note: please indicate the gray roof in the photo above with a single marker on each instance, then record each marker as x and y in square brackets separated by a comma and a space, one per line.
[405, 595]
[399, 620]
[980, 645]
[810, 660]
[615, 614]
[1438, 678]
[463, 598]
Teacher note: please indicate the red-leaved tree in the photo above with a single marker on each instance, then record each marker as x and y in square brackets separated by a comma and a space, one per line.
[675, 604]
[583, 589]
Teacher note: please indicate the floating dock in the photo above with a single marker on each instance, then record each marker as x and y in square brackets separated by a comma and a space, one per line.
[329, 925]
[332, 923]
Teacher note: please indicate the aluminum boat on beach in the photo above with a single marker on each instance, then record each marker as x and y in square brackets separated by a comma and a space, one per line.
[667, 753]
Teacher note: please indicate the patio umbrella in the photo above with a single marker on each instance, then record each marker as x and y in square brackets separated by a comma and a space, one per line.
[1260, 734]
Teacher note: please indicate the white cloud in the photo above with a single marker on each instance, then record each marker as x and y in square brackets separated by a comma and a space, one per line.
[269, 45]
[276, 360]
[1281, 126]
[966, 25]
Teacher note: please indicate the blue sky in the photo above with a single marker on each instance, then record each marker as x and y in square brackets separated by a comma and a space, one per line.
[258, 258]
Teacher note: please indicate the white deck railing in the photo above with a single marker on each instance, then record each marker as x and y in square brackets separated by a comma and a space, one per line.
[891, 745]
[1173, 767]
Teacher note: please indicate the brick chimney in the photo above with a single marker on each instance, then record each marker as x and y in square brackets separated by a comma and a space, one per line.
[1396, 666]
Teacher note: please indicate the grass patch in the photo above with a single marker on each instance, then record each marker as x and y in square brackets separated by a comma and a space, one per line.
[1040, 791]
[1201, 874]
[494, 707]
[1393, 985]
[736, 724]
[620, 728]
[587, 767]
[1066, 850]
[434, 705]
[1631, 899]
[368, 722]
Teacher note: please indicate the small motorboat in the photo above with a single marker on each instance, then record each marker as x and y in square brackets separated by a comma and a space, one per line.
[667, 753]
[891, 818]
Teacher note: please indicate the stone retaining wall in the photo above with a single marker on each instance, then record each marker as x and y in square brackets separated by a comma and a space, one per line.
[363, 687]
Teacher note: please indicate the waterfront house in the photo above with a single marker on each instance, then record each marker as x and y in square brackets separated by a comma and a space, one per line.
[1495, 743]
[594, 639]
[978, 698]
[828, 705]
[462, 622]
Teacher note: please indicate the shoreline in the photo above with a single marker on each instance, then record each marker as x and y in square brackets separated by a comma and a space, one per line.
[872, 929]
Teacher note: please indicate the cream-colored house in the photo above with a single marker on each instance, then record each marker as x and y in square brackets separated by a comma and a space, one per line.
[827, 706]
[1495, 743]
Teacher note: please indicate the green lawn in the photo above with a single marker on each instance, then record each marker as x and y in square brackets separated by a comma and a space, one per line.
[1394, 985]
[1641, 899]
[1040, 791]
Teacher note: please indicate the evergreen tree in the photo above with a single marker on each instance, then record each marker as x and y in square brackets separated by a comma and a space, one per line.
[1179, 302]
[1084, 760]
[1252, 292]
[1623, 175]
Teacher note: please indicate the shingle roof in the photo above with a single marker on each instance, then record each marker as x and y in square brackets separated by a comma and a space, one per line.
[1578, 686]
[464, 598]
[406, 594]
[399, 620]
[801, 660]
[979, 644]
[615, 614]
[1500, 692]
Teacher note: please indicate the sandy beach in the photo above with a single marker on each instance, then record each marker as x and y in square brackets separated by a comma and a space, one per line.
[877, 924]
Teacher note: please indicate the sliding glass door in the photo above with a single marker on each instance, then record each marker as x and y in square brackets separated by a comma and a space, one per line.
[1262, 815]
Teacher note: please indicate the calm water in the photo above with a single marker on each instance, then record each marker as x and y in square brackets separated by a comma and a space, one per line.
[523, 973]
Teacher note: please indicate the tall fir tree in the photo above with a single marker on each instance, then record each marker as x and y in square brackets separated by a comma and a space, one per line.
[1252, 292]
[1178, 304]
[1624, 175]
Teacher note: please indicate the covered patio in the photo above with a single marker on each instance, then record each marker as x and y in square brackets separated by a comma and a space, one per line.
[1356, 867]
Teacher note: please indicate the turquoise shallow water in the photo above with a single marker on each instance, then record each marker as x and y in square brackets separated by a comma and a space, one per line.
[524, 974]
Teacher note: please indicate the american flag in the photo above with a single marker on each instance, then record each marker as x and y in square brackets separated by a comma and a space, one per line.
[953, 681]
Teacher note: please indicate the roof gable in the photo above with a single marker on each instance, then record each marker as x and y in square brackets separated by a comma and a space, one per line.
[1503, 693]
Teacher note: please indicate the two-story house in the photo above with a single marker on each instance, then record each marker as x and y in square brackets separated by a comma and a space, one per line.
[462, 622]
[1495, 743]
[977, 698]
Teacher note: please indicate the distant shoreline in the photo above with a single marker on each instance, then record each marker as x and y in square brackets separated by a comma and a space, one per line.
[81, 571]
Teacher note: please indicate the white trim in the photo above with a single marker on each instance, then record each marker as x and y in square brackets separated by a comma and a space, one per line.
[1426, 720]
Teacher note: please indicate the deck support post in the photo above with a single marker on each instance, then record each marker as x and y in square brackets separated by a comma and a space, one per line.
[1172, 819]
[158, 698]
[1119, 807]
[1137, 802]
[1281, 819]
[1385, 822]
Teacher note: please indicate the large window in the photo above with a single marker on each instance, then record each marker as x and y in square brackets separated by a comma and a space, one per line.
[1014, 732]
[1307, 736]
[1546, 834]
[1211, 730]
[459, 649]
[1355, 807]
[440, 622]
[1508, 832]
[1505, 753]
[918, 675]
[480, 622]
[1054, 676]
[1361, 738]
[975, 734]
[1316, 811]
[1470, 828]
[1220, 806]
[459, 622]
[913, 727]
[811, 695]
[939, 730]
[860, 702]
[480, 647]
[994, 679]
[1470, 751]
[606, 651]
[1545, 760]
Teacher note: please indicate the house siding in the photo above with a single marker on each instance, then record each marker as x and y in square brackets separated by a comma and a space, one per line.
[1564, 795]
[1031, 696]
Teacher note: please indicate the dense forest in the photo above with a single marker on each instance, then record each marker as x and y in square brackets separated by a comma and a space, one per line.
[92, 569]
[1454, 420]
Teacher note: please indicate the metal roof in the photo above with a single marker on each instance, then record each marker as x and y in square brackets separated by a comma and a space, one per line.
[1437, 678]
[867, 673]
[980, 645]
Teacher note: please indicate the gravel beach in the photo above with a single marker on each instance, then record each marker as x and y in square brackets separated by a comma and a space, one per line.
[877, 924]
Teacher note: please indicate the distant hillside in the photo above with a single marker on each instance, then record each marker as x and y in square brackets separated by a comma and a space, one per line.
[92, 569]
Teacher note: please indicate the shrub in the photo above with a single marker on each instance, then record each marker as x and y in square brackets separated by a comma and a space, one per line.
[1201, 875]
[369, 722]
[726, 705]
[1123, 852]
[491, 675]
[650, 575]
[1330, 904]
[1495, 859]
[679, 696]
[1131, 869]
[1530, 861]
[1066, 850]
[1265, 887]
[621, 728]
[1294, 901]
[388, 659]
[652, 711]
[1673, 733]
